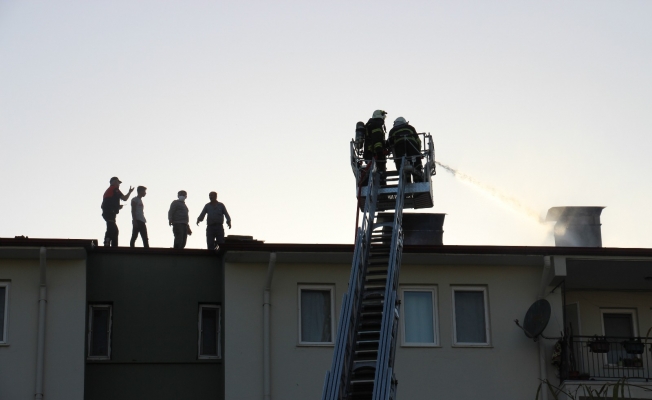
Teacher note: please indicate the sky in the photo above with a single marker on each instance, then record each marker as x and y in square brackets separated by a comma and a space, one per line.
[547, 102]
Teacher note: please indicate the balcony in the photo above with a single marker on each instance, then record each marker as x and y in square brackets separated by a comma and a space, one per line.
[607, 358]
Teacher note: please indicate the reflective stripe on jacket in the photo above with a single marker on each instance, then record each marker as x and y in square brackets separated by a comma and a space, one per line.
[403, 132]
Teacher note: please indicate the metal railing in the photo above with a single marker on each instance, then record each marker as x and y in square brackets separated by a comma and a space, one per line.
[335, 381]
[427, 154]
[606, 358]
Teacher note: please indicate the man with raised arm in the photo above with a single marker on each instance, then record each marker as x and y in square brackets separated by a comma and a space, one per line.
[110, 208]
[214, 230]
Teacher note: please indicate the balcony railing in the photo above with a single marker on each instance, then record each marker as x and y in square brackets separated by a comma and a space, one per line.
[606, 358]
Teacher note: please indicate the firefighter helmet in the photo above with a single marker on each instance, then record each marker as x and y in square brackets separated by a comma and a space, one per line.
[400, 121]
[379, 114]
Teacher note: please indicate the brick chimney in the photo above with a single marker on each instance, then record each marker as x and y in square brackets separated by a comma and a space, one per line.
[576, 226]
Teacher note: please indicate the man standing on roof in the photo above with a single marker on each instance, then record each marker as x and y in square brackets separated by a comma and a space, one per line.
[374, 144]
[404, 141]
[178, 218]
[110, 208]
[214, 230]
[138, 218]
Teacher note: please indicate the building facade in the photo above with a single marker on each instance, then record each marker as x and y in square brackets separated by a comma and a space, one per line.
[42, 318]
[154, 323]
[458, 337]
[258, 321]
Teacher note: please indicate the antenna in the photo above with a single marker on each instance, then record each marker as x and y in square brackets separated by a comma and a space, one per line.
[536, 320]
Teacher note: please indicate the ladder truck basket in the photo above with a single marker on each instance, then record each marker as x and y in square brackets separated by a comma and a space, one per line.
[418, 192]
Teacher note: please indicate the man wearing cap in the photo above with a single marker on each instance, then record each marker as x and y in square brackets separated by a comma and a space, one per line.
[216, 212]
[110, 208]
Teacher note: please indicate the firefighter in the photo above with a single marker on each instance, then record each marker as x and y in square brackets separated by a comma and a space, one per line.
[374, 143]
[404, 141]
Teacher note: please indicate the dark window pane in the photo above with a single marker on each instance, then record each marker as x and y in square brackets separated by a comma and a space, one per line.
[209, 332]
[620, 327]
[3, 293]
[100, 333]
[470, 324]
[316, 316]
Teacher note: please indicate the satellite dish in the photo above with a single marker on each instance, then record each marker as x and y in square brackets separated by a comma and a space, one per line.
[536, 318]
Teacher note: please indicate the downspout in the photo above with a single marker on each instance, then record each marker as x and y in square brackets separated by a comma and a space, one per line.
[267, 332]
[543, 371]
[40, 346]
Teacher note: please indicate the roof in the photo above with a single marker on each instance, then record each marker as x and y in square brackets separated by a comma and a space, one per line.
[91, 245]
[453, 249]
[24, 241]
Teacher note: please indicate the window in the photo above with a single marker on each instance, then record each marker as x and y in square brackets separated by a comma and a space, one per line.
[316, 315]
[209, 331]
[470, 316]
[99, 331]
[4, 310]
[420, 322]
[618, 326]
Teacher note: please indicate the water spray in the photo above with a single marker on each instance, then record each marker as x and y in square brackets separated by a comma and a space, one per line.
[490, 190]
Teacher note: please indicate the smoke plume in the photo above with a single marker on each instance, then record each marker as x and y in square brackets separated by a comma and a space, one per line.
[490, 190]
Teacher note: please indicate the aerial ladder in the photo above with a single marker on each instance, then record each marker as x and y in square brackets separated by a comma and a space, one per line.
[363, 358]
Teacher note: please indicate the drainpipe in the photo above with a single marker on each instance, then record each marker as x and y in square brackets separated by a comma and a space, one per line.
[40, 346]
[267, 357]
[543, 371]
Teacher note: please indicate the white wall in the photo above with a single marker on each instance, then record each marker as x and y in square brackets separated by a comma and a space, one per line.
[591, 302]
[509, 369]
[65, 327]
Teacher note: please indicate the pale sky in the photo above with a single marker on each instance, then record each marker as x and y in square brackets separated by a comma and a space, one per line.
[547, 101]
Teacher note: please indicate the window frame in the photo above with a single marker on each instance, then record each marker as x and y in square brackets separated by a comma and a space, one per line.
[472, 288]
[4, 340]
[91, 307]
[629, 311]
[219, 332]
[331, 289]
[435, 317]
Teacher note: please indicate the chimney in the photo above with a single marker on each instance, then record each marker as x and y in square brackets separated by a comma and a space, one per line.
[423, 229]
[576, 226]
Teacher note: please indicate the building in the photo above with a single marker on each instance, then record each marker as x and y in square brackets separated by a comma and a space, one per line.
[160, 317]
[258, 321]
[42, 318]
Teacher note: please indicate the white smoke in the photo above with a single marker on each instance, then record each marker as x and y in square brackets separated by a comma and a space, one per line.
[508, 200]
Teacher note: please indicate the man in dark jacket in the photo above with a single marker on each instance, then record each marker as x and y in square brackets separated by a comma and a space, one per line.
[404, 141]
[214, 230]
[374, 144]
[178, 218]
[110, 208]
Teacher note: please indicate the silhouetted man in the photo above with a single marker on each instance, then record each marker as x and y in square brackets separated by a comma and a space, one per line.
[138, 218]
[110, 208]
[214, 230]
[178, 218]
[404, 141]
